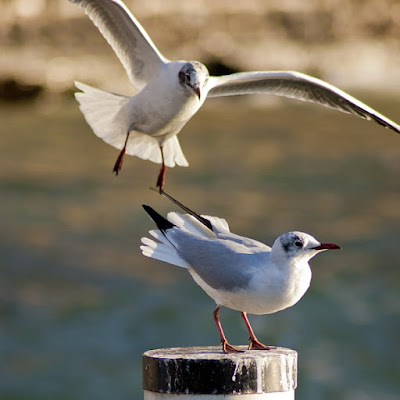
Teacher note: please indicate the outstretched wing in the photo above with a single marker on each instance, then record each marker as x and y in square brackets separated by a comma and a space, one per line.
[129, 40]
[298, 86]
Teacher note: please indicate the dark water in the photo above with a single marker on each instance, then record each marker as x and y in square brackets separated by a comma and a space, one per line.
[79, 304]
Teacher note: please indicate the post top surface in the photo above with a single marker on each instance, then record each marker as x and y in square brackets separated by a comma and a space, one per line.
[207, 370]
[216, 353]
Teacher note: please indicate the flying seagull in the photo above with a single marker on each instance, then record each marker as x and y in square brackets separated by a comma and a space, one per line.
[236, 272]
[171, 92]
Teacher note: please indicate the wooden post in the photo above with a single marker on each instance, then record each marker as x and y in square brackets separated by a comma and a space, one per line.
[206, 373]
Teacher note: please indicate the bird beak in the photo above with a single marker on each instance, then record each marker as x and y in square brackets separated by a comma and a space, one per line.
[196, 89]
[327, 246]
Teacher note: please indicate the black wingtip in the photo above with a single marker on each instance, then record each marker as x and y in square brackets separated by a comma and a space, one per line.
[162, 223]
[201, 219]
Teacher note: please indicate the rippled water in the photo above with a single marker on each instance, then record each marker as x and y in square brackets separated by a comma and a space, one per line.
[79, 304]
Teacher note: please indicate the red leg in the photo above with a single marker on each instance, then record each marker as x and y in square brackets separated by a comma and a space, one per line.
[120, 159]
[161, 175]
[226, 347]
[255, 344]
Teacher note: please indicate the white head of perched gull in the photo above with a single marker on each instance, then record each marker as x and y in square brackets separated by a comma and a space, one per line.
[171, 92]
[237, 272]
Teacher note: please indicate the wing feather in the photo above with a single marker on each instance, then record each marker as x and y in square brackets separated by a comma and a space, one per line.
[298, 86]
[126, 36]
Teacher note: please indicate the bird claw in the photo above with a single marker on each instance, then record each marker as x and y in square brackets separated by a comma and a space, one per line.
[228, 348]
[257, 345]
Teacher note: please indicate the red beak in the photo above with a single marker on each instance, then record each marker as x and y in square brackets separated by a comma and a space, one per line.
[197, 91]
[327, 246]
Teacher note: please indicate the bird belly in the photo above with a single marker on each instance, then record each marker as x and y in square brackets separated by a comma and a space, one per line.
[255, 304]
[260, 298]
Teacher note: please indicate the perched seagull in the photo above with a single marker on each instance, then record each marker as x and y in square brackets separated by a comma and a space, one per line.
[237, 272]
[171, 92]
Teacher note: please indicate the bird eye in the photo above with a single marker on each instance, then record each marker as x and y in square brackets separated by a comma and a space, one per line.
[298, 244]
[184, 76]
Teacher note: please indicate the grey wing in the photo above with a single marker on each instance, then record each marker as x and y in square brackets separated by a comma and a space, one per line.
[251, 244]
[222, 264]
[126, 36]
[298, 86]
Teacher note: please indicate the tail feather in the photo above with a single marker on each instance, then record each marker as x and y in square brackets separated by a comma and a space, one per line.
[173, 153]
[161, 249]
[103, 111]
[163, 252]
[107, 115]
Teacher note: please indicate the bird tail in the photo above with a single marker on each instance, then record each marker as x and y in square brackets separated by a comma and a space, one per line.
[164, 247]
[161, 249]
[107, 115]
[102, 111]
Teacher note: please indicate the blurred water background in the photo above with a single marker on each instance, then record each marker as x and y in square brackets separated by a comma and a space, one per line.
[78, 302]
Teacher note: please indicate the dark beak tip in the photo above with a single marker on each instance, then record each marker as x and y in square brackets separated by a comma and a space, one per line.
[197, 91]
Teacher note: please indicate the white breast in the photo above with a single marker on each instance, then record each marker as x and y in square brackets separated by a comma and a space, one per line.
[269, 291]
[163, 107]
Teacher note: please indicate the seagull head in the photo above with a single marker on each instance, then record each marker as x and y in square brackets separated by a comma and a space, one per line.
[194, 76]
[299, 245]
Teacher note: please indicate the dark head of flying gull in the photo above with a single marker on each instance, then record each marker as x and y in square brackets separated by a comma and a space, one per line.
[237, 272]
[171, 92]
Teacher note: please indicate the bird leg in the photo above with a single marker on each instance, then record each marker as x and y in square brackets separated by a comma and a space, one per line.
[161, 175]
[120, 159]
[255, 344]
[226, 347]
